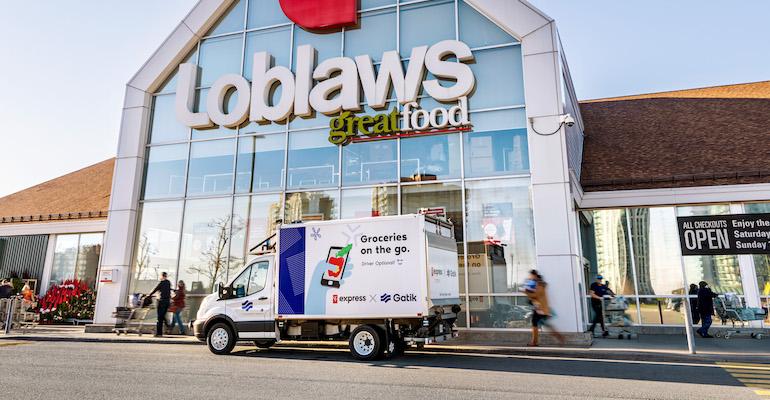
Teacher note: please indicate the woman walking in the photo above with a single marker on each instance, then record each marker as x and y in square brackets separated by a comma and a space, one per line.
[535, 289]
[177, 306]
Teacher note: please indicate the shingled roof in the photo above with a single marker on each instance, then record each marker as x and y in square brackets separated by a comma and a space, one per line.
[697, 137]
[82, 194]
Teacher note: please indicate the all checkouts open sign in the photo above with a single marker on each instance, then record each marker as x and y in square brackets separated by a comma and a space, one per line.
[724, 234]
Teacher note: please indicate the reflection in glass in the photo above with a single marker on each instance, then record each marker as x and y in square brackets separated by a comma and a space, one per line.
[264, 13]
[211, 167]
[499, 312]
[611, 256]
[157, 244]
[232, 21]
[369, 162]
[761, 261]
[165, 127]
[425, 24]
[64, 259]
[655, 239]
[276, 41]
[254, 219]
[496, 152]
[328, 45]
[220, 56]
[260, 163]
[662, 311]
[721, 272]
[428, 158]
[378, 36]
[499, 79]
[89, 250]
[477, 30]
[312, 206]
[313, 161]
[164, 175]
[370, 202]
[205, 240]
[501, 237]
[445, 198]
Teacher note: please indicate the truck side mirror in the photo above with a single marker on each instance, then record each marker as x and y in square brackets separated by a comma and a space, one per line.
[223, 292]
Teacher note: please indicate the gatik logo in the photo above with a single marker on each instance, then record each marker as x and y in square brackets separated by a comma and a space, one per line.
[398, 298]
[321, 14]
[336, 299]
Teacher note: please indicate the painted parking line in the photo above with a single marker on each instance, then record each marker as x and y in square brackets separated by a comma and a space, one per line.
[753, 376]
[7, 344]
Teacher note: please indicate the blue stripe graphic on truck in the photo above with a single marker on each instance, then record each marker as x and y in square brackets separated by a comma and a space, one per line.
[291, 281]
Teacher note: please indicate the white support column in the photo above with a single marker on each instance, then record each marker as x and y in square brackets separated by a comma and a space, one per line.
[47, 264]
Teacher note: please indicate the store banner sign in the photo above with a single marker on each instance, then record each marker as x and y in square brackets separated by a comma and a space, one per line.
[724, 234]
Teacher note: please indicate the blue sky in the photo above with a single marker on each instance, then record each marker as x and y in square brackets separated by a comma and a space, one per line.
[65, 64]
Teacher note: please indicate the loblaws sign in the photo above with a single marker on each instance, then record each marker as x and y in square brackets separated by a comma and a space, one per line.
[334, 86]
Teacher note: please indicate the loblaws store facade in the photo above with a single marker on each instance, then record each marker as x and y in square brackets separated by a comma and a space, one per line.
[245, 116]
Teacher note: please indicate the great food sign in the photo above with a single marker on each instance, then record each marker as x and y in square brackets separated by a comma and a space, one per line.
[725, 234]
[333, 87]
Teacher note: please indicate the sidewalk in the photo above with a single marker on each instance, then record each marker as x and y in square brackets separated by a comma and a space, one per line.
[655, 348]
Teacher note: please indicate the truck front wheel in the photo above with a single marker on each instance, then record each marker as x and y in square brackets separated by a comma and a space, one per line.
[366, 343]
[220, 339]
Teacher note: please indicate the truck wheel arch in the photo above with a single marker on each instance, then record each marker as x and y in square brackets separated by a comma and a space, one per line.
[213, 320]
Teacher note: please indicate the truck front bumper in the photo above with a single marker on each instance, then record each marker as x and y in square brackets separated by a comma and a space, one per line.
[198, 330]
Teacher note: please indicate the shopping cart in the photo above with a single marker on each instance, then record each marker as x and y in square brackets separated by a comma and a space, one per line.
[615, 318]
[730, 308]
[132, 319]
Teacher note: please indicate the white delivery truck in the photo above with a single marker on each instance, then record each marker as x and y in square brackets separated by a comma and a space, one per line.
[381, 283]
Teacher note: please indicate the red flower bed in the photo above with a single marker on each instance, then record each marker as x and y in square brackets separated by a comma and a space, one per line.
[71, 299]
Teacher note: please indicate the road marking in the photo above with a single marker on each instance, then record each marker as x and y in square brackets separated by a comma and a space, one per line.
[7, 344]
[753, 376]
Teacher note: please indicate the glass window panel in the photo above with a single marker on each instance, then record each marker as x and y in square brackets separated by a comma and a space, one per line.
[499, 120]
[254, 219]
[312, 206]
[211, 167]
[64, 259]
[496, 152]
[655, 239]
[170, 85]
[612, 258]
[317, 120]
[260, 163]
[425, 24]
[662, 311]
[241, 283]
[500, 234]
[265, 13]
[164, 175]
[499, 78]
[258, 278]
[370, 162]
[446, 196]
[328, 45]
[165, 127]
[232, 21]
[376, 35]
[721, 272]
[366, 4]
[370, 202]
[201, 97]
[157, 244]
[276, 41]
[313, 161]
[761, 261]
[500, 312]
[757, 208]
[426, 158]
[461, 321]
[89, 250]
[220, 56]
[477, 30]
[205, 240]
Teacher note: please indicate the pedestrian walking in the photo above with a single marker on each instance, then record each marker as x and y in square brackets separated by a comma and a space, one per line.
[705, 308]
[164, 289]
[598, 290]
[694, 303]
[177, 306]
[535, 289]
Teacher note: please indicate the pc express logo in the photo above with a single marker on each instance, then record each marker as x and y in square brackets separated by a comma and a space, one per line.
[321, 14]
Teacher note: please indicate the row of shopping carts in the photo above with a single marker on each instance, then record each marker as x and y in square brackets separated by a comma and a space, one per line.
[17, 313]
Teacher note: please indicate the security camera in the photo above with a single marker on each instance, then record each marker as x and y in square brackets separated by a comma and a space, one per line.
[567, 119]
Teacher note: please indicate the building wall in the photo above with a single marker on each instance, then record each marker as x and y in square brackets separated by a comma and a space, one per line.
[23, 256]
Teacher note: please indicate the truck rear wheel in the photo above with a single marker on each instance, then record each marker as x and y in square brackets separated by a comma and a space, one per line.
[366, 344]
[264, 344]
[220, 339]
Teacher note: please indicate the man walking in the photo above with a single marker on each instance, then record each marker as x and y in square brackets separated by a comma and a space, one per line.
[598, 291]
[705, 308]
[164, 288]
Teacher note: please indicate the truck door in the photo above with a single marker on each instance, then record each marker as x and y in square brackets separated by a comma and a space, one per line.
[251, 306]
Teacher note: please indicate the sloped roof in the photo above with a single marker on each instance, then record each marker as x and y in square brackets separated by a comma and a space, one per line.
[696, 137]
[82, 194]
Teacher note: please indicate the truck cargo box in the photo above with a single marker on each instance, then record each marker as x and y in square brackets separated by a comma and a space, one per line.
[371, 268]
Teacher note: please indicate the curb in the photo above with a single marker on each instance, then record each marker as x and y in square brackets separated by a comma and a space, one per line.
[460, 350]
